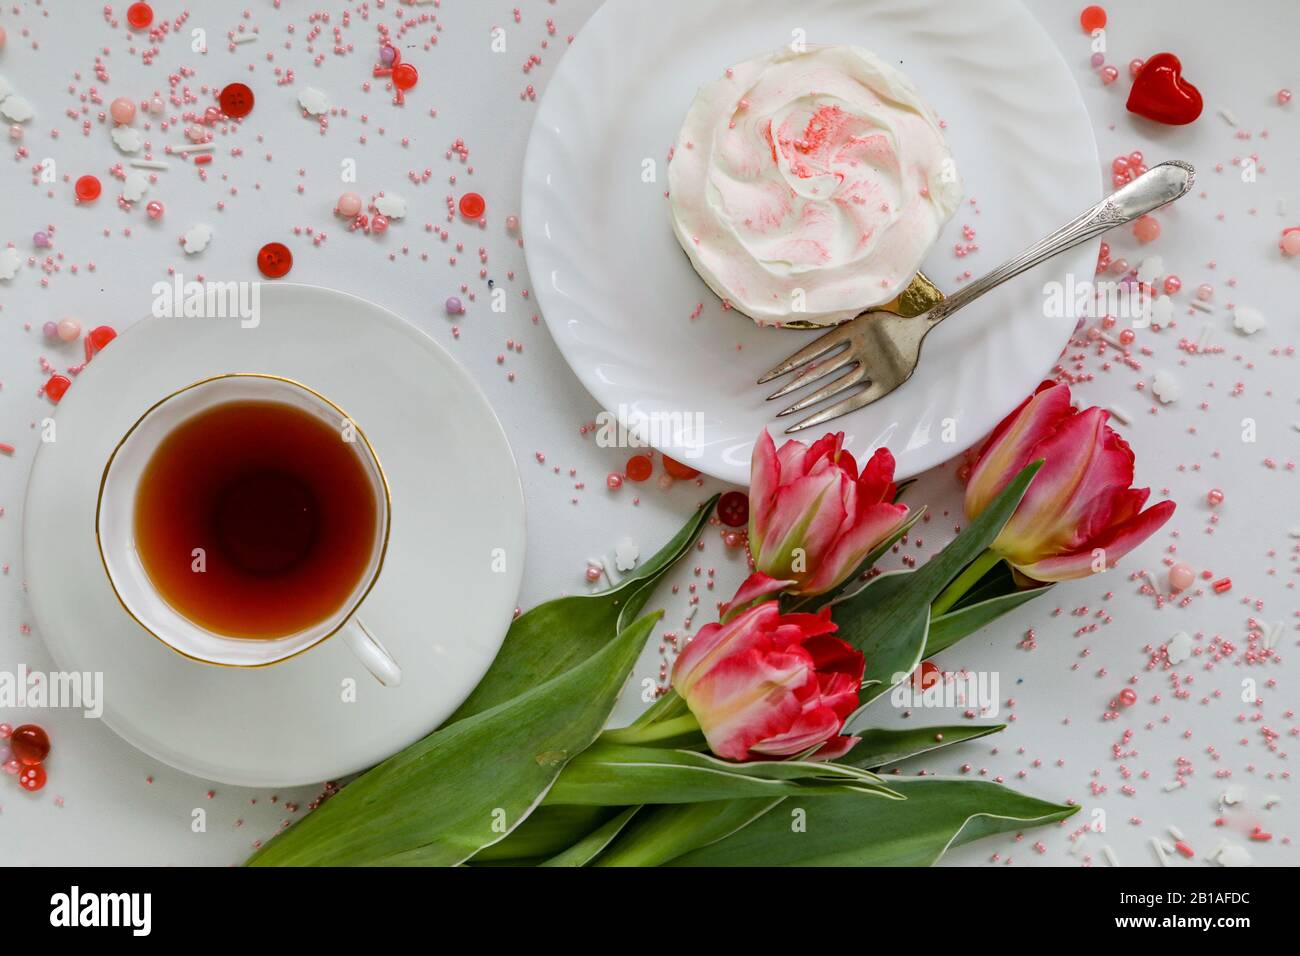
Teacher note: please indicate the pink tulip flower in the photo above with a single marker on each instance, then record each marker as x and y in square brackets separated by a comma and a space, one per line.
[813, 519]
[766, 684]
[1080, 513]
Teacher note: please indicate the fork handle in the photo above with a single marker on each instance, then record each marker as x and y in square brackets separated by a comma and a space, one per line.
[1159, 185]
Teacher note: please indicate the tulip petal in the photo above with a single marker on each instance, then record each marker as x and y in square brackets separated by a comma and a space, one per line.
[872, 527]
[806, 514]
[815, 724]
[834, 749]
[758, 585]
[876, 483]
[751, 696]
[750, 628]
[1117, 541]
[764, 479]
[1078, 472]
[1011, 446]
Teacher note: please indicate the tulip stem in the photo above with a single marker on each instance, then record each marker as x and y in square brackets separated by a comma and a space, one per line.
[652, 733]
[964, 582]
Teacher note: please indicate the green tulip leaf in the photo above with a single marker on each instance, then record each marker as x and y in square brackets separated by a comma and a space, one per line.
[464, 787]
[555, 636]
[888, 620]
[620, 775]
[548, 830]
[590, 846]
[659, 834]
[947, 629]
[849, 831]
[881, 747]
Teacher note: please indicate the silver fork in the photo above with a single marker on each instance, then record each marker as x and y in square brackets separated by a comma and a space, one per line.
[881, 349]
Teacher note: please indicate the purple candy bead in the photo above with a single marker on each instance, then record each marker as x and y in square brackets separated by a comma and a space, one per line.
[387, 55]
[51, 330]
[1096, 60]
[454, 306]
[41, 240]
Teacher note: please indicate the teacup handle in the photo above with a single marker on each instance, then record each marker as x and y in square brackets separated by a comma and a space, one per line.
[371, 653]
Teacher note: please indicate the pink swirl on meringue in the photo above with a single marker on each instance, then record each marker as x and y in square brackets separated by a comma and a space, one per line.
[809, 186]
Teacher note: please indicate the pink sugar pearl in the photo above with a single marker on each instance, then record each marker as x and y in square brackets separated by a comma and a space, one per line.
[1290, 243]
[1128, 697]
[1135, 66]
[1172, 284]
[1205, 292]
[154, 209]
[69, 329]
[1283, 97]
[122, 110]
[1181, 577]
[1214, 497]
[349, 205]
[1109, 75]
[1147, 229]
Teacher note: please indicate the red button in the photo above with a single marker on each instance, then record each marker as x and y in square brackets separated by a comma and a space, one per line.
[472, 205]
[275, 260]
[236, 100]
[405, 76]
[87, 189]
[733, 509]
[139, 15]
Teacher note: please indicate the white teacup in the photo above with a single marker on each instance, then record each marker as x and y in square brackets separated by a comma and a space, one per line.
[115, 531]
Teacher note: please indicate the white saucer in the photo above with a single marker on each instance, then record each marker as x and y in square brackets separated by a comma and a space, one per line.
[439, 606]
[618, 292]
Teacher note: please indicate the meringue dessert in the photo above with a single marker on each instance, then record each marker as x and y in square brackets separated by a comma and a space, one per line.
[808, 186]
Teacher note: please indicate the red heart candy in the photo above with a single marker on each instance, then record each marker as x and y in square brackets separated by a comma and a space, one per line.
[1160, 93]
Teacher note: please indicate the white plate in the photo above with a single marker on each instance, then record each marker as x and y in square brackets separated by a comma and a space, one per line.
[438, 605]
[617, 290]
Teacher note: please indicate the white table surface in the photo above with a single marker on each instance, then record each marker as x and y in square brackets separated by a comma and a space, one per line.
[107, 803]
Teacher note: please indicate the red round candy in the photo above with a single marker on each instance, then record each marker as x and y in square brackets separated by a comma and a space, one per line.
[733, 509]
[1092, 18]
[274, 260]
[677, 470]
[472, 206]
[32, 778]
[57, 387]
[405, 76]
[639, 468]
[139, 15]
[236, 100]
[30, 744]
[87, 189]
